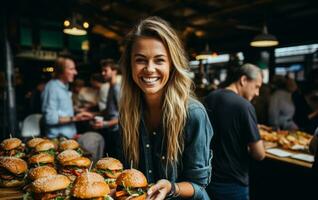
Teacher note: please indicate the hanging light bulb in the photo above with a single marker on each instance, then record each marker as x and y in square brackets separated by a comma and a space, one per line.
[85, 24]
[67, 23]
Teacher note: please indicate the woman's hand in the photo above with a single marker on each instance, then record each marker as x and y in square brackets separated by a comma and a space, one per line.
[160, 190]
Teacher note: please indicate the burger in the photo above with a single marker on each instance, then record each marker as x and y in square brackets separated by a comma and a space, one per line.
[131, 184]
[46, 146]
[33, 142]
[36, 173]
[72, 145]
[110, 169]
[12, 172]
[12, 147]
[67, 155]
[41, 172]
[53, 187]
[41, 159]
[90, 185]
[75, 167]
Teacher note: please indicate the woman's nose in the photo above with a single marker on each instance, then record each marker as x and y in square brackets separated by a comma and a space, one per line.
[150, 67]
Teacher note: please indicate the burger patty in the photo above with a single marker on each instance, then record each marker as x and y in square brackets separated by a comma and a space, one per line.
[106, 173]
[51, 195]
[5, 174]
[73, 170]
[17, 152]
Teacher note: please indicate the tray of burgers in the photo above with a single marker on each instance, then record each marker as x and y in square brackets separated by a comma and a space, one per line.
[46, 169]
[290, 140]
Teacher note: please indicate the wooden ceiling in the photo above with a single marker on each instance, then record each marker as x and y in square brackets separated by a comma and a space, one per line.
[226, 25]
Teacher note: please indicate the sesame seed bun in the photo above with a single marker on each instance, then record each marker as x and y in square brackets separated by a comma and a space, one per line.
[90, 176]
[50, 184]
[90, 185]
[109, 163]
[41, 172]
[68, 155]
[10, 143]
[132, 178]
[14, 165]
[68, 144]
[44, 146]
[33, 142]
[41, 158]
[79, 162]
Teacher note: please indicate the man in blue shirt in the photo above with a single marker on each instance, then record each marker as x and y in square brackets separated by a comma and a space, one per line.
[57, 106]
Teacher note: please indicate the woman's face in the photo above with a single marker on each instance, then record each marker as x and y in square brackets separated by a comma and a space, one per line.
[150, 64]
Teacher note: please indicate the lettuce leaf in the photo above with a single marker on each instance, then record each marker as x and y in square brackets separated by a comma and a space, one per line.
[28, 196]
[80, 151]
[108, 198]
[103, 171]
[50, 151]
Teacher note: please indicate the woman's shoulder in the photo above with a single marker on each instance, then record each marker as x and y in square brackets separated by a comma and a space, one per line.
[195, 104]
[198, 124]
[195, 108]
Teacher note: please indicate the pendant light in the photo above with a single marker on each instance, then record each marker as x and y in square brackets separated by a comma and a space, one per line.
[74, 27]
[265, 39]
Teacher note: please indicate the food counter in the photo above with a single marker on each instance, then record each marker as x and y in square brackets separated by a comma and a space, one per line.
[287, 146]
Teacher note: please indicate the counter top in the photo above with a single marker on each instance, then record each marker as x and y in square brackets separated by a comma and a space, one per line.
[290, 160]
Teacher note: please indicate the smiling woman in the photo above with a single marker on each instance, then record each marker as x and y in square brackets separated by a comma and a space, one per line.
[165, 133]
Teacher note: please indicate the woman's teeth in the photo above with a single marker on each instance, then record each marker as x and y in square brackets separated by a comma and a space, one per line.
[150, 80]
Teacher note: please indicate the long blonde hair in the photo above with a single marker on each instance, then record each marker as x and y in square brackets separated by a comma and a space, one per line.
[176, 96]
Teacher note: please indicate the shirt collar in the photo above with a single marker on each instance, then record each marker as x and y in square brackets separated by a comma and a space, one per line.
[62, 85]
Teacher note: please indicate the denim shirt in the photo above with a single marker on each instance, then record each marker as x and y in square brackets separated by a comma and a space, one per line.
[57, 102]
[194, 165]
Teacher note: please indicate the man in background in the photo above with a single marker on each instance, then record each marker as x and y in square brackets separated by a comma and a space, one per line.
[57, 106]
[236, 136]
[109, 124]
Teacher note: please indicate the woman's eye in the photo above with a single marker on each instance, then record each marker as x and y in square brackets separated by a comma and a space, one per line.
[160, 61]
[140, 60]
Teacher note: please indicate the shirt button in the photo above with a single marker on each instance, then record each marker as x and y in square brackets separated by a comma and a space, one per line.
[163, 157]
[154, 133]
[147, 145]
[150, 171]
